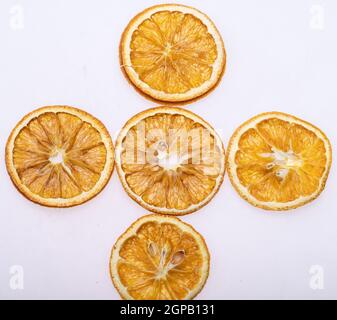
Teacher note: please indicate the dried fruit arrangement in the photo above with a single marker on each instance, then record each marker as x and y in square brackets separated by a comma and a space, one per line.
[169, 160]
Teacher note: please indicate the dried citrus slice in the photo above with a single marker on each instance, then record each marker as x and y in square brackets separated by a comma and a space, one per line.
[279, 162]
[170, 160]
[159, 258]
[60, 156]
[172, 53]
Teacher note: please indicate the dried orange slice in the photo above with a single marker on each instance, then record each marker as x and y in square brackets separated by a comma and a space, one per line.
[159, 258]
[170, 160]
[172, 53]
[60, 156]
[279, 162]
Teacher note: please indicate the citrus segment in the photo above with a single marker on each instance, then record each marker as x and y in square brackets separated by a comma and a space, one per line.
[59, 156]
[172, 53]
[279, 162]
[159, 258]
[170, 161]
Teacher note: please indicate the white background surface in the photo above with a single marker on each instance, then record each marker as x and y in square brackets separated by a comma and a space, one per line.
[67, 53]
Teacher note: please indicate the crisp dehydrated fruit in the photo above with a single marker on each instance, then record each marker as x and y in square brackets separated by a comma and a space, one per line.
[60, 156]
[159, 258]
[172, 53]
[278, 162]
[170, 160]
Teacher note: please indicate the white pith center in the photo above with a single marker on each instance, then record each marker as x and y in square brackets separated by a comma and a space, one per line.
[57, 157]
[167, 49]
[285, 161]
[167, 160]
[163, 267]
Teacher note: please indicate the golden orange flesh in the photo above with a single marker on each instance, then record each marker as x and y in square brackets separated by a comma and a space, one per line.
[160, 262]
[57, 155]
[175, 165]
[173, 52]
[280, 161]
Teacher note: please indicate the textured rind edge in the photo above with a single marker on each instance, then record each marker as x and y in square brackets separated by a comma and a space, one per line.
[149, 218]
[74, 111]
[169, 102]
[267, 207]
[171, 110]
